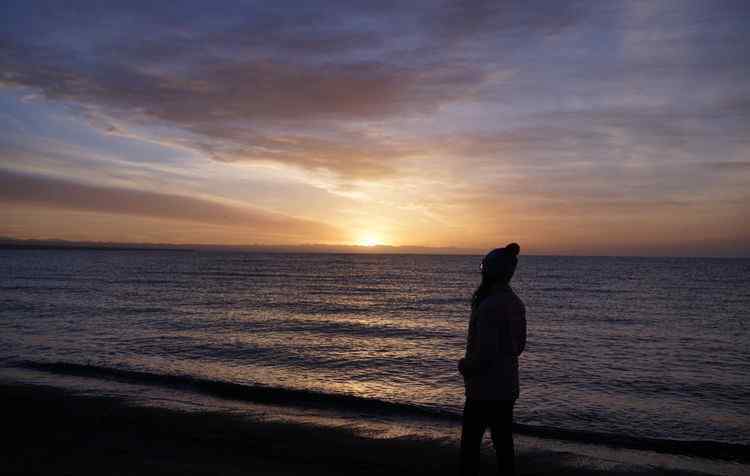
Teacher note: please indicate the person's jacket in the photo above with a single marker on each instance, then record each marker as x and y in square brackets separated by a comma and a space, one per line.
[496, 337]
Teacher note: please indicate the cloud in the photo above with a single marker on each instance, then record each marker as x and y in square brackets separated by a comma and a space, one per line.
[246, 75]
[238, 111]
[729, 166]
[232, 89]
[465, 20]
[17, 190]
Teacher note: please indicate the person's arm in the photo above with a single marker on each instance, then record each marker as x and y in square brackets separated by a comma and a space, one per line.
[487, 346]
[513, 337]
[516, 330]
[521, 331]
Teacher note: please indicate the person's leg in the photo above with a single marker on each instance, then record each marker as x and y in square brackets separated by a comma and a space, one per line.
[472, 431]
[501, 426]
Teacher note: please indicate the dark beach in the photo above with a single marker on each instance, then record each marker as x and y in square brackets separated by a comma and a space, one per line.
[57, 432]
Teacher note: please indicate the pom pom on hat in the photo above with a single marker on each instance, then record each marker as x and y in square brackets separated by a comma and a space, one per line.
[513, 249]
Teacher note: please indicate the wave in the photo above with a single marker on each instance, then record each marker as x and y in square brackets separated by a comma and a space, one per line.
[444, 300]
[334, 401]
[252, 393]
[35, 288]
[588, 290]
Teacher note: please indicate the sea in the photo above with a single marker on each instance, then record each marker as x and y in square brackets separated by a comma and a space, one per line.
[643, 353]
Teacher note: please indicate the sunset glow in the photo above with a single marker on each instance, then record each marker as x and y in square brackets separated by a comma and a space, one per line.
[573, 128]
[369, 240]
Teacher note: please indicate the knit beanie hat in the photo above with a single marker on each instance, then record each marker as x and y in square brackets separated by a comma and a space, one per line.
[501, 262]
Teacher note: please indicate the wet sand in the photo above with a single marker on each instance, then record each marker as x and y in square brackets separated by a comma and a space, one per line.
[56, 432]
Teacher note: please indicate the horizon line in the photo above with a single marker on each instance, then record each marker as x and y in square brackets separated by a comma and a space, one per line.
[8, 242]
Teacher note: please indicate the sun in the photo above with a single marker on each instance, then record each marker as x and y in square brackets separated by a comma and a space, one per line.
[368, 240]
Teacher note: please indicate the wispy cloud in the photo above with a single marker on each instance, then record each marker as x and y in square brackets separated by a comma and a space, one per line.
[29, 190]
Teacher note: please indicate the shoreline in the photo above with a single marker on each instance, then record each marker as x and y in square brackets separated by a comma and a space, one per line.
[732, 452]
[55, 431]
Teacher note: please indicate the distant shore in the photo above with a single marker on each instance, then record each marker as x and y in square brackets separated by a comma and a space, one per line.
[10, 246]
[55, 244]
[57, 432]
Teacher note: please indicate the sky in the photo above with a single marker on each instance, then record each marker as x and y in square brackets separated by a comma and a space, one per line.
[570, 127]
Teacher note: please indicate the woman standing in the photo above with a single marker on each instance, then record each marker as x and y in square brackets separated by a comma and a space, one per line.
[496, 337]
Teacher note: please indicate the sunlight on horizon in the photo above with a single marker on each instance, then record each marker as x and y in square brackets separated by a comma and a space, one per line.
[369, 240]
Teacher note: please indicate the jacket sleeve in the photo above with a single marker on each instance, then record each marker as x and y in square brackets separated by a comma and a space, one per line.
[487, 344]
[518, 330]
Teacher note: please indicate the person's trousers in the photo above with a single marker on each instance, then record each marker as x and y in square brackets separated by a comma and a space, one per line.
[498, 416]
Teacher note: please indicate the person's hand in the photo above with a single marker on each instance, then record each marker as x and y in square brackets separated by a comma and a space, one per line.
[461, 366]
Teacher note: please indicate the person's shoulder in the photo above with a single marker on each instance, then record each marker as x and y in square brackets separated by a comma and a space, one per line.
[516, 298]
[501, 303]
[496, 301]
[517, 303]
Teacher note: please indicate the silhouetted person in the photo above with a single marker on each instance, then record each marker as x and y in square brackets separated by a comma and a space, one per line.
[496, 337]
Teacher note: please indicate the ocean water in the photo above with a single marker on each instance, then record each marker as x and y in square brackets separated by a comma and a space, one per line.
[650, 349]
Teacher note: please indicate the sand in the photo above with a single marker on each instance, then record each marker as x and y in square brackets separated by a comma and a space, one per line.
[56, 432]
